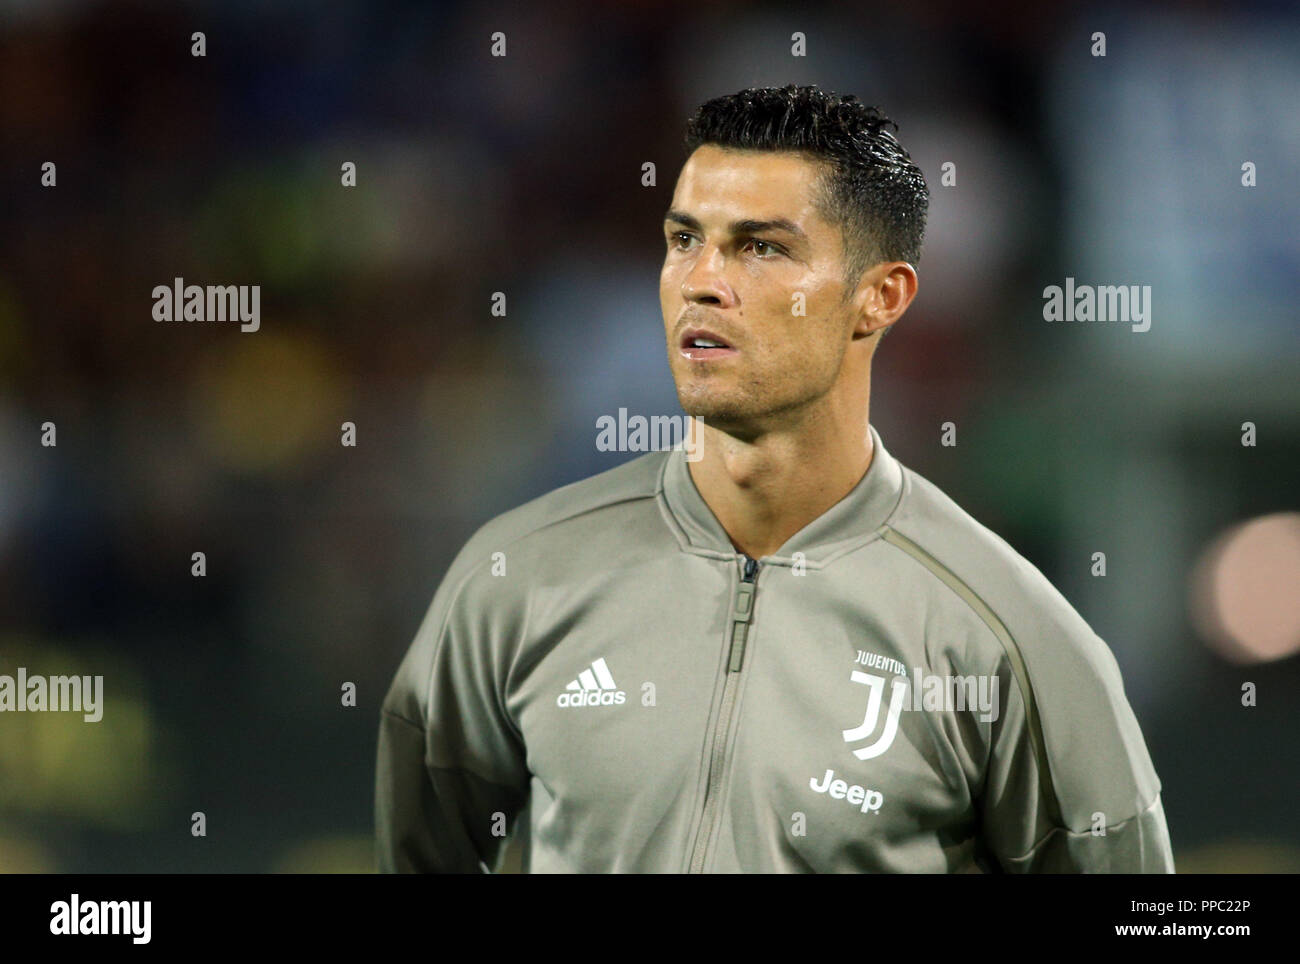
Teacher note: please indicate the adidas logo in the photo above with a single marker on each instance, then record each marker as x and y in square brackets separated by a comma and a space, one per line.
[593, 687]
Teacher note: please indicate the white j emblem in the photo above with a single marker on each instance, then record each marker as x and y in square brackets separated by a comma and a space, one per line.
[896, 700]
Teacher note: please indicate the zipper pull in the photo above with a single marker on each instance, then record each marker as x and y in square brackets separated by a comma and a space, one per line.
[743, 609]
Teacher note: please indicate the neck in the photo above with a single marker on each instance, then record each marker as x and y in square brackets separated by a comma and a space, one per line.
[765, 489]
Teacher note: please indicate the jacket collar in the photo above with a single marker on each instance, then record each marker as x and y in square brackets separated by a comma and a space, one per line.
[854, 520]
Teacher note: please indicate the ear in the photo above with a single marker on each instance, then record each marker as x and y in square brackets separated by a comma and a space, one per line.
[883, 295]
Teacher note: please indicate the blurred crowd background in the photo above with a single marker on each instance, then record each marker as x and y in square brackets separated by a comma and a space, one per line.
[478, 174]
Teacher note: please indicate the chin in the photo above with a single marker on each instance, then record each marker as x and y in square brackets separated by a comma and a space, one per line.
[716, 408]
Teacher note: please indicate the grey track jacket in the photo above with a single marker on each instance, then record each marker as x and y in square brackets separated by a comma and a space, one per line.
[896, 691]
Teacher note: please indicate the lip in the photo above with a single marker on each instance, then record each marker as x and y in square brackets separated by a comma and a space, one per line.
[704, 354]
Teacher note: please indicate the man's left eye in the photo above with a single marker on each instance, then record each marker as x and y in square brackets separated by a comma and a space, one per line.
[768, 245]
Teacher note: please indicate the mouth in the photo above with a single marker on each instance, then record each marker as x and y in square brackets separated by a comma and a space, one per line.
[697, 344]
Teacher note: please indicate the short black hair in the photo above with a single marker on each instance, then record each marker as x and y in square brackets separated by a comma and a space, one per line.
[871, 188]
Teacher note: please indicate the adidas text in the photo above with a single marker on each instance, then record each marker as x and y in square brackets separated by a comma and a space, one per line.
[591, 698]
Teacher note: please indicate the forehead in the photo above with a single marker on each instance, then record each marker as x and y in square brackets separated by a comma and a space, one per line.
[724, 184]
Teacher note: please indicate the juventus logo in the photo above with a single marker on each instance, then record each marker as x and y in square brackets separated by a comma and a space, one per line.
[897, 698]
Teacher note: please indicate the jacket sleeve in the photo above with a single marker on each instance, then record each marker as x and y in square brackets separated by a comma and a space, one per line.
[451, 774]
[1070, 787]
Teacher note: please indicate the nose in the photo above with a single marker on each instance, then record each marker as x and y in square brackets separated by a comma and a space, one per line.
[705, 282]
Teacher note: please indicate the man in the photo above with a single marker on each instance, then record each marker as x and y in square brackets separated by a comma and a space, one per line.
[794, 653]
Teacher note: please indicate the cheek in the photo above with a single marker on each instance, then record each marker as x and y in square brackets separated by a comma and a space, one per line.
[806, 343]
[667, 285]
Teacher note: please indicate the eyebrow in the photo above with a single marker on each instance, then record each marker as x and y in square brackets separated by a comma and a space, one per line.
[744, 226]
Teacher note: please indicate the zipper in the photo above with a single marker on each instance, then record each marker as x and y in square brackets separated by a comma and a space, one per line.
[742, 608]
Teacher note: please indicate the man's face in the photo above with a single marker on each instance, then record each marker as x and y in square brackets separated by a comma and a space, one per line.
[743, 240]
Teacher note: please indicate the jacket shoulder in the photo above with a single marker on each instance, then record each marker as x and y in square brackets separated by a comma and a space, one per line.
[490, 610]
[634, 480]
[1068, 677]
[983, 568]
